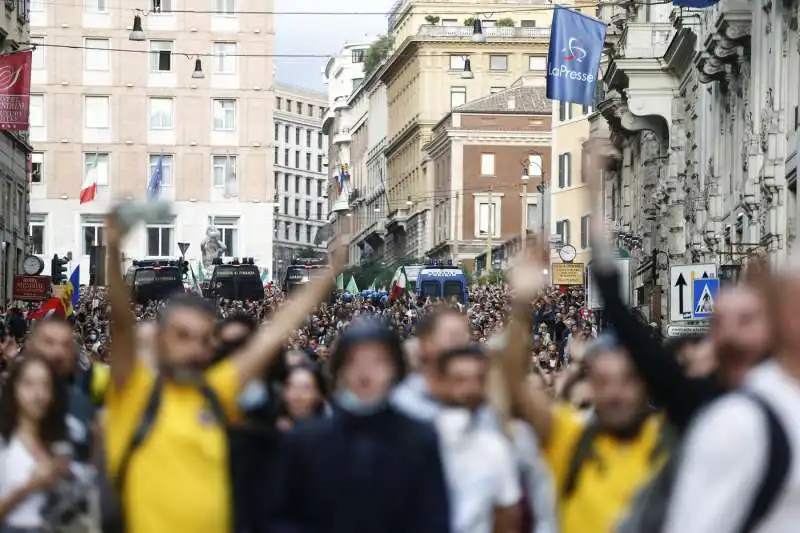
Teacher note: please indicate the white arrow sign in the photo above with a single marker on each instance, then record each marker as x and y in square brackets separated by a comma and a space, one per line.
[681, 281]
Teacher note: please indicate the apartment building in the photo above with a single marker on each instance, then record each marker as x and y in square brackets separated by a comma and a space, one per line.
[488, 160]
[569, 195]
[300, 184]
[437, 65]
[343, 74]
[14, 157]
[192, 95]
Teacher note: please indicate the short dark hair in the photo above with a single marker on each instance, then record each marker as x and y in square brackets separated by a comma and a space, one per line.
[472, 351]
[240, 319]
[187, 301]
[430, 321]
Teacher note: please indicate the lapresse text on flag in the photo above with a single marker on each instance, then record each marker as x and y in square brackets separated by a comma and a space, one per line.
[576, 43]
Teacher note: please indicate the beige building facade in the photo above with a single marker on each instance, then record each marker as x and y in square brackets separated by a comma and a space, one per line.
[196, 95]
[425, 79]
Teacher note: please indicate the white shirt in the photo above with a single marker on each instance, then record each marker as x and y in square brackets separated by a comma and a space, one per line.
[725, 457]
[16, 468]
[480, 468]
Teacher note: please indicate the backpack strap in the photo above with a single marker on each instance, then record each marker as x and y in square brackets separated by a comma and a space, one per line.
[664, 444]
[583, 452]
[214, 404]
[141, 433]
[776, 474]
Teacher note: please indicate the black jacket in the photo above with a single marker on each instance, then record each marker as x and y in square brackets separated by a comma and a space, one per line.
[372, 474]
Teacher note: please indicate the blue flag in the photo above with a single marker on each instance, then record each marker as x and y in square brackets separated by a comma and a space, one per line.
[154, 187]
[576, 43]
[697, 4]
[75, 281]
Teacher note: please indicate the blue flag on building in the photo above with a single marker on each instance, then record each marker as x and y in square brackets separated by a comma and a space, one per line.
[576, 43]
[154, 187]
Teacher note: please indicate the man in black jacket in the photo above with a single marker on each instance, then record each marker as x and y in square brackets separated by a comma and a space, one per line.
[369, 468]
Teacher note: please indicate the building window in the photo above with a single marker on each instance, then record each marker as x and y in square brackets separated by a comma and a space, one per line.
[564, 111]
[564, 170]
[162, 6]
[498, 62]
[286, 229]
[458, 96]
[225, 7]
[308, 234]
[95, 168]
[310, 110]
[562, 228]
[36, 115]
[97, 112]
[487, 219]
[161, 56]
[286, 183]
[286, 157]
[167, 172]
[286, 206]
[93, 233]
[277, 132]
[586, 238]
[527, 24]
[288, 107]
[450, 22]
[299, 110]
[319, 140]
[96, 57]
[457, 62]
[487, 164]
[297, 180]
[308, 191]
[162, 112]
[278, 100]
[319, 188]
[495, 90]
[37, 235]
[159, 241]
[322, 111]
[537, 63]
[308, 210]
[224, 58]
[38, 59]
[358, 55]
[229, 234]
[297, 207]
[308, 161]
[297, 159]
[37, 167]
[297, 232]
[224, 167]
[320, 210]
[275, 181]
[286, 134]
[96, 6]
[319, 163]
[225, 115]
[276, 156]
[297, 136]
[308, 138]
[586, 109]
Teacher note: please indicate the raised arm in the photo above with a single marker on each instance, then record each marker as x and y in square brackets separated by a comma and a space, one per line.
[259, 352]
[123, 340]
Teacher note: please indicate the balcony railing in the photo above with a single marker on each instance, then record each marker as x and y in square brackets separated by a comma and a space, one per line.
[497, 32]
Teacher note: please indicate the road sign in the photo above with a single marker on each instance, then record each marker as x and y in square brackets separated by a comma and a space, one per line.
[183, 246]
[682, 330]
[704, 296]
[681, 284]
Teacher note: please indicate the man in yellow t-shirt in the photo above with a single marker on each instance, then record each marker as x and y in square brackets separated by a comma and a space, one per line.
[177, 478]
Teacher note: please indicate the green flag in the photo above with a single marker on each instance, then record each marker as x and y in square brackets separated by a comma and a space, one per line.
[264, 275]
[374, 284]
[201, 275]
[340, 282]
[352, 288]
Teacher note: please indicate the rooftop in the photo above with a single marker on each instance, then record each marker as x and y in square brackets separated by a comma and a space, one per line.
[521, 100]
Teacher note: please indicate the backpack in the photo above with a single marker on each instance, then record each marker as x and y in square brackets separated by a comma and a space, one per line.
[112, 486]
[648, 510]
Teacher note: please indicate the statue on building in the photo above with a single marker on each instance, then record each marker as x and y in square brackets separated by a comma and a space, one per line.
[212, 247]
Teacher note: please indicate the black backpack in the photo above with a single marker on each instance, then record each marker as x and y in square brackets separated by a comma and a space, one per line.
[112, 486]
[648, 510]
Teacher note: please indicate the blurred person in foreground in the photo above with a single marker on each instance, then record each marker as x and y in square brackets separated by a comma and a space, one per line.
[739, 465]
[167, 446]
[599, 463]
[369, 468]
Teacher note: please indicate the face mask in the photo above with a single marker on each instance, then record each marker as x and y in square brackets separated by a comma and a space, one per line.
[347, 400]
[253, 396]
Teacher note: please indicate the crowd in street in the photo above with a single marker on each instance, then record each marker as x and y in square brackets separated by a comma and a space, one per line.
[509, 413]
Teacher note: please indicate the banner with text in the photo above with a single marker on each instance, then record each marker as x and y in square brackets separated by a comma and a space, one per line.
[576, 43]
[15, 90]
[568, 273]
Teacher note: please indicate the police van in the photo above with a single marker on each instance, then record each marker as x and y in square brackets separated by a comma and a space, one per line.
[237, 280]
[447, 282]
[301, 271]
[154, 280]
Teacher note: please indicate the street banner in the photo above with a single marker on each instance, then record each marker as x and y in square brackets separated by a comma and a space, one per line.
[576, 43]
[15, 90]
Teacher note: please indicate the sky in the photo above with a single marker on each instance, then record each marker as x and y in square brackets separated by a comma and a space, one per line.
[321, 34]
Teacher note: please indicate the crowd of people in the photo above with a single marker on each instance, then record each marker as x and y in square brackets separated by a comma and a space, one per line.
[508, 413]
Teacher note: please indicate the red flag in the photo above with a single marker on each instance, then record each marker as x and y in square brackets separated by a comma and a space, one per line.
[15, 90]
[51, 307]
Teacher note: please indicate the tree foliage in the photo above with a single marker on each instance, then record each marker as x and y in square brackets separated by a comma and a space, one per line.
[432, 19]
[469, 21]
[506, 23]
[376, 53]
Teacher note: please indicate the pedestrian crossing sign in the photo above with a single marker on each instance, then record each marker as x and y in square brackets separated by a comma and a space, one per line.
[704, 297]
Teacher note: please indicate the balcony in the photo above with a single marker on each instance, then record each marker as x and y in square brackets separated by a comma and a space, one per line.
[464, 33]
[341, 136]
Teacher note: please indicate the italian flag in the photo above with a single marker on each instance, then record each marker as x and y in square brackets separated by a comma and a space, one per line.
[399, 284]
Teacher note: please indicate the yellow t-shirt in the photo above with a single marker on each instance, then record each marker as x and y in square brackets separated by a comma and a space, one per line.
[606, 486]
[178, 480]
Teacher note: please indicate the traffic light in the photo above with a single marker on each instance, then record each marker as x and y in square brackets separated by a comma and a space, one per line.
[58, 269]
[184, 265]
